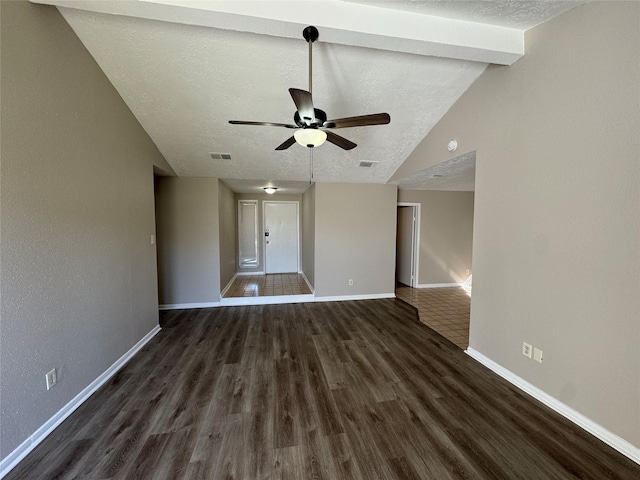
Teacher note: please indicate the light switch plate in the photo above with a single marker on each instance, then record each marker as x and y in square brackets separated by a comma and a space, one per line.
[537, 355]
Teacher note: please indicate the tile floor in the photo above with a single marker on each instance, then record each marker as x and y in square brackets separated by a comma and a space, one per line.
[445, 310]
[268, 285]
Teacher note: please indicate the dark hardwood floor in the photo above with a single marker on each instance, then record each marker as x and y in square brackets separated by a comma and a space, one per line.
[342, 390]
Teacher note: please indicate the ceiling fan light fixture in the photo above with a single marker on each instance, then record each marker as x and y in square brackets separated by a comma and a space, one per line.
[310, 137]
[270, 190]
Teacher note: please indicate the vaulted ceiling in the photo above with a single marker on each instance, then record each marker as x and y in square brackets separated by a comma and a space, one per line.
[185, 68]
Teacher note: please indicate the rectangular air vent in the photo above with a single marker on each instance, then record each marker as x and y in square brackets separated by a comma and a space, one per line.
[220, 156]
[367, 164]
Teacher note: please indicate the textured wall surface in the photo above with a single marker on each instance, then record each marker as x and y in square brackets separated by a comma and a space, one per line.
[446, 234]
[188, 240]
[557, 218]
[355, 238]
[79, 284]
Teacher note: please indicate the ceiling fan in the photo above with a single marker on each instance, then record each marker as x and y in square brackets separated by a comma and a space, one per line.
[311, 125]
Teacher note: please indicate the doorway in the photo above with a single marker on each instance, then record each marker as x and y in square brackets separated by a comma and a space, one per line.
[407, 242]
[281, 237]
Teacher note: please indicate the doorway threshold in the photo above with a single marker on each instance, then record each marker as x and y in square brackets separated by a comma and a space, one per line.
[266, 300]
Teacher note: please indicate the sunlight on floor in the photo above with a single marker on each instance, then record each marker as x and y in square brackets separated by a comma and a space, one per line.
[445, 310]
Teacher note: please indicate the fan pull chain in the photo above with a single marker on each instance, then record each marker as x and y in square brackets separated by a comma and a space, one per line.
[310, 166]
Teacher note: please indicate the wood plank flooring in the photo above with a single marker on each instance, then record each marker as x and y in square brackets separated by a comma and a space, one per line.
[342, 390]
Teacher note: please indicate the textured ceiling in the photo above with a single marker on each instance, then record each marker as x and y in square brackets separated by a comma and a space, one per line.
[184, 81]
[457, 174]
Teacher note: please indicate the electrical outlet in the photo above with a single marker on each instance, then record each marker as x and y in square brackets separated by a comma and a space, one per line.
[51, 379]
[527, 349]
[351, 282]
[467, 271]
[537, 355]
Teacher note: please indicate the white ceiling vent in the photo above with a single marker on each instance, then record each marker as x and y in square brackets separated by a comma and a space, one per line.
[220, 156]
[366, 164]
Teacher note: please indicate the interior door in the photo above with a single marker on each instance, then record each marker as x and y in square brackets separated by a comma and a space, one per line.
[405, 246]
[281, 237]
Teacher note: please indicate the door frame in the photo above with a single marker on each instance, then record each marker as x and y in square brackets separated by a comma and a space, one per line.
[415, 240]
[264, 226]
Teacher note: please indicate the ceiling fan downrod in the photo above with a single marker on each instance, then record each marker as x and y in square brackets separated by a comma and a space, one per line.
[310, 34]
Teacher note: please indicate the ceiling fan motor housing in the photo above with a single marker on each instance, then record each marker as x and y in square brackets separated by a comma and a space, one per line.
[320, 115]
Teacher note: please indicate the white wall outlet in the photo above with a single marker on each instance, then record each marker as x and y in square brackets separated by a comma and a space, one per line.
[537, 355]
[351, 282]
[153, 239]
[527, 349]
[51, 379]
[467, 272]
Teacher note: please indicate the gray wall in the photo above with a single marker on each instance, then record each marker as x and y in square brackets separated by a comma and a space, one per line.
[188, 240]
[355, 238]
[446, 234]
[227, 214]
[78, 285]
[557, 217]
[262, 197]
[309, 233]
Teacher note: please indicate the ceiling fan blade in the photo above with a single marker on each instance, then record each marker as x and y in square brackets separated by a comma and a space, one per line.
[286, 144]
[359, 121]
[340, 141]
[304, 104]
[268, 124]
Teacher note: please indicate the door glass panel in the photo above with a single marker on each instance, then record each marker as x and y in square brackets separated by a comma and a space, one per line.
[248, 233]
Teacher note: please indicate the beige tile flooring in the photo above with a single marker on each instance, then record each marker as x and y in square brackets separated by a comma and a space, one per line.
[268, 285]
[445, 310]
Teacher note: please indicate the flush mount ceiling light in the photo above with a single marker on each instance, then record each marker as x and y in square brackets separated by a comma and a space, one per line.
[270, 190]
[310, 137]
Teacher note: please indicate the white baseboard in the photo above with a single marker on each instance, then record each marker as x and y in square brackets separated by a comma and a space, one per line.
[182, 306]
[597, 430]
[307, 282]
[271, 300]
[438, 285]
[341, 298]
[11, 460]
[253, 272]
[235, 275]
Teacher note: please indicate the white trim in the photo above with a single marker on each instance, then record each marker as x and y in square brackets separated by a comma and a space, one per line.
[241, 274]
[257, 231]
[270, 300]
[11, 460]
[439, 285]
[182, 306]
[228, 285]
[340, 298]
[610, 438]
[307, 282]
[416, 240]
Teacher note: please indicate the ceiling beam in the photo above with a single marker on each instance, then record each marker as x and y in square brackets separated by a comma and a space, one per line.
[339, 22]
